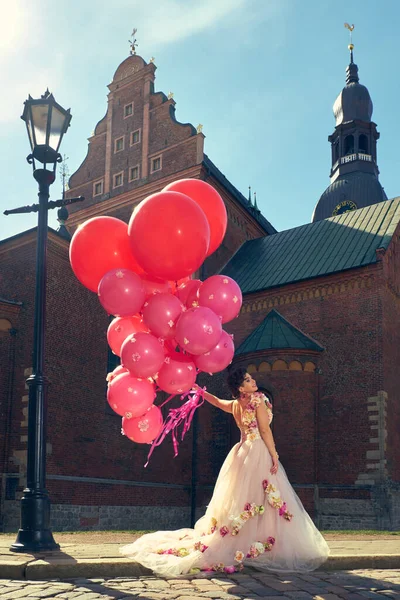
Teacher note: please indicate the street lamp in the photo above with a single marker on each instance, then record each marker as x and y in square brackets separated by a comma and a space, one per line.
[46, 122]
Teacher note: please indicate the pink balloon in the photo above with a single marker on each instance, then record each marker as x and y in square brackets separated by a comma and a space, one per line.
[155, 286]
[117, 371]
[198, 330]
[160, 314]
[223, 295]
[121, 293]
[178, 373]
[120, 328]
[219, 357]
[142, 354]
[187, 292]
[143, 429]
[129, 396]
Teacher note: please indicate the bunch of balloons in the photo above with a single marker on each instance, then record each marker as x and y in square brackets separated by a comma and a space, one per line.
[167, 327]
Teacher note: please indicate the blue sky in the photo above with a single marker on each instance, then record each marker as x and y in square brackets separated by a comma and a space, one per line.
[260, 75]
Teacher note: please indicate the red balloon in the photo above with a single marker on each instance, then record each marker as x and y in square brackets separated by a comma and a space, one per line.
[129, 396]
[160, 314]
[121, 293]
[155, 286]
[98, 246]
[117, 371]
[178, 373]
[142, 354]
[219, 357]
[144, 429]
[120, 328]
[223, 295]
[169, 235]
[187, 292]
[198, 330]
[207, 197]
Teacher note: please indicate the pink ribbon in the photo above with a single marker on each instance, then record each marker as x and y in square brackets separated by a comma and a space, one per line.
[176, 417]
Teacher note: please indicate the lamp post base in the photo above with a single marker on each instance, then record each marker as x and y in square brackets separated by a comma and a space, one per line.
[35, 534]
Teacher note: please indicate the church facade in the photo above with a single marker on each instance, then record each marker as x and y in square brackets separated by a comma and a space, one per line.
[319, 328]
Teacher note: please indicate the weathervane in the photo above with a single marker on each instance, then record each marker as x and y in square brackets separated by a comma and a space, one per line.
[350, 28]
[133, 42]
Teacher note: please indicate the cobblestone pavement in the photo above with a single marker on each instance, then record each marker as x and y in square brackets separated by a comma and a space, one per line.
[248, 585]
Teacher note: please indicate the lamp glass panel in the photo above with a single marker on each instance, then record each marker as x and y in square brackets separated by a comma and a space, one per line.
[40, 114]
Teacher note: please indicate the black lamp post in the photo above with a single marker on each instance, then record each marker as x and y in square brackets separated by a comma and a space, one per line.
[46, 122]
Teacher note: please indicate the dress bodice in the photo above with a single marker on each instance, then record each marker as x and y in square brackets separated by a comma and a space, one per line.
[246, 418]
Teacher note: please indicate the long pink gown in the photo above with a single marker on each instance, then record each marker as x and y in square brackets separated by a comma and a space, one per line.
[253, 518]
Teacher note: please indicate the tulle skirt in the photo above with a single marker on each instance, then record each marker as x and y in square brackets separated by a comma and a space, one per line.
[253, 518]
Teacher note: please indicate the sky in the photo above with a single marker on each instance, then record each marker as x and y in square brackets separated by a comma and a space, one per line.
[260, 75]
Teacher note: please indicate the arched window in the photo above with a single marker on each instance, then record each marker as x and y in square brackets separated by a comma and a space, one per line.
[349, 144]
[363, 144]
[336, 151]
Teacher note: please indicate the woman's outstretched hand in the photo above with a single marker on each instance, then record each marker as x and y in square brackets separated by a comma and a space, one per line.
[275, 464]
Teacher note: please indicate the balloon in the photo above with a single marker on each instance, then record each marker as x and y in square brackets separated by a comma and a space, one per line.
[187, 292]
[117, 371]
[160, 314]
[155, 286]
[198, 330]
[120, 328]
[207, 197]
[98, 246]
[143, 429]
[223, 295]
[178, 373]
[129, 396]
[218, 358]
[121, 293]
[169, 235]
[142, 354]
[175, 284]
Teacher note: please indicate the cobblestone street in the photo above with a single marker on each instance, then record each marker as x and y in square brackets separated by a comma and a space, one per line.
[249, 585]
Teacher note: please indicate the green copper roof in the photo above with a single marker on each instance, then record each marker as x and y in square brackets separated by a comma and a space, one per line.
[275, 332]
[328, 246]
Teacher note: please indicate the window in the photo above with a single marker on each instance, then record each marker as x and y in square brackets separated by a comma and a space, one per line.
[133, 173]
[349, 144]
[135, 137]
[98, 188]
[119, 144]
[118, 179]
[128, 110]
[363, 144]
[156, 164]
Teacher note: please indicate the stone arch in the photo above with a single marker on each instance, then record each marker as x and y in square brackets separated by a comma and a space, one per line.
[264, 367]
[279, 365]
[309, 366]
[251, 368]
[5, 325]
[295, 365]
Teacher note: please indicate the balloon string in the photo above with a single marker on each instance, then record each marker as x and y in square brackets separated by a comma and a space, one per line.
[176, 417]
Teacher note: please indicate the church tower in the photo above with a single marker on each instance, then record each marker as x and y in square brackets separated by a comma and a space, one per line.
[354, 172]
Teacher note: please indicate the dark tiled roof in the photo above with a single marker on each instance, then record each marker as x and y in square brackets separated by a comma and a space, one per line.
[361, 188]
[275, 332]
[332, 245]
[213, 170]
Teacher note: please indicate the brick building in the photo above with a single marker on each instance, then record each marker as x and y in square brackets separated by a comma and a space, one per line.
[319, 326]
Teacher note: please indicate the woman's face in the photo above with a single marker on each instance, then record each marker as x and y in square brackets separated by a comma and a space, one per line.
[249, 385]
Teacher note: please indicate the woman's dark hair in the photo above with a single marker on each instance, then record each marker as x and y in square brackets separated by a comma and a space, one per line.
[235, 380]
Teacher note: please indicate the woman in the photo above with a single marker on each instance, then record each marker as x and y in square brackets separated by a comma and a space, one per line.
[254, 516]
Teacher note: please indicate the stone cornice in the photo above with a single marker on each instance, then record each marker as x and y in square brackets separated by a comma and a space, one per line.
[292, 293]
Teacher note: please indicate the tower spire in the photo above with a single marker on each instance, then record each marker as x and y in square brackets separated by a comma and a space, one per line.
[352, 69]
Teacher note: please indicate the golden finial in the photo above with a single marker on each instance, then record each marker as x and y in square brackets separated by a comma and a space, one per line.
[350, 28]
[171, 96]
[199, 128]
[133, 43]
[152, 59]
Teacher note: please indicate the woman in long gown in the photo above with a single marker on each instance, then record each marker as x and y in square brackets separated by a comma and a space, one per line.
[254, 516]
